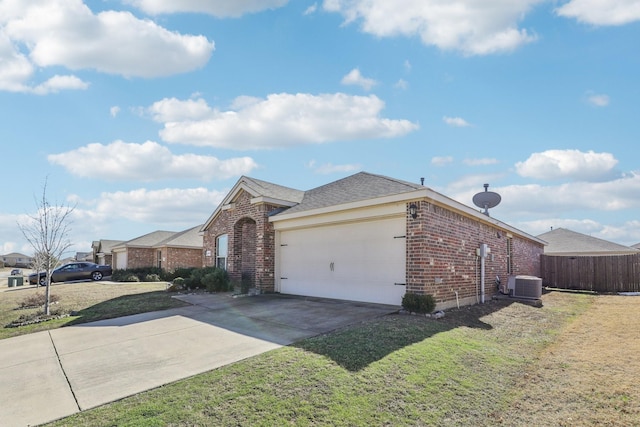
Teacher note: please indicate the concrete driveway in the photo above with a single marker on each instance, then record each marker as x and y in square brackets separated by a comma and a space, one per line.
[53, 374]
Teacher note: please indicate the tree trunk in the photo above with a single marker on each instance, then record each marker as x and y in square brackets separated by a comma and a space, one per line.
[47, 294]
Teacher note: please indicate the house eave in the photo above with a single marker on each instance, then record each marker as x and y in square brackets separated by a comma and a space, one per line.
[271, 201]
[421, 194]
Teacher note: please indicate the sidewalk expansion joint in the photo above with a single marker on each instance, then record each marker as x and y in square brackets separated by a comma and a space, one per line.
[64, 372]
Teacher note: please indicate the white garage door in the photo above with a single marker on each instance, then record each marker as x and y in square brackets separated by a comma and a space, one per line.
[364, 261]
[121, 260]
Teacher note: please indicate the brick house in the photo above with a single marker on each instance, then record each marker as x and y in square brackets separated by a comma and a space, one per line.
[163, 249]
[365, 238]
[101, 251]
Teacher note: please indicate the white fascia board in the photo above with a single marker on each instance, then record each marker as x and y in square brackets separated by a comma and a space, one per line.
[269, 200]
[469, 211]
[358, 214]
[421, 194]
[403, 197]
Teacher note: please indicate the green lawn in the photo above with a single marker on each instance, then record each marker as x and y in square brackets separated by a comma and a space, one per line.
[395, 371]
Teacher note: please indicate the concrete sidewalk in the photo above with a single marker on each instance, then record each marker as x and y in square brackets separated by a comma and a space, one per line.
[53, 374]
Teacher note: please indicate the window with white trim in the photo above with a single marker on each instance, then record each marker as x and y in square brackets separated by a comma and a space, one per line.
[222, 250]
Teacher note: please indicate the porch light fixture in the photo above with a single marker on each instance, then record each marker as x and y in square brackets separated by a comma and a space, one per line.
[413, 210]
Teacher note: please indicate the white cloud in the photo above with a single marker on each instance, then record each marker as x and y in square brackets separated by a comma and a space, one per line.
[614, 195]
[282, 120]
[15, 67]
[571, 164]
[57, 83]
[178, 208]
[601, 12]
[354, 77]
[546, 203]
[480, 162]
[220, 9]
[114, 111]
[441, 161]
[598, 100]
[329, 168]
[401, 84]
[458, 122]
[311, 9]
[468, 26]
[49, 33]
[147, 162]
[173, 110]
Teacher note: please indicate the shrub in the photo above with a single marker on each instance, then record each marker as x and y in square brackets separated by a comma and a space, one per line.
[417, 303]
[197, 276]
[143, 274]
[181, 272]
[217, 281]
[38, 300]
[152, 278]
[130, 277]
[178, 284]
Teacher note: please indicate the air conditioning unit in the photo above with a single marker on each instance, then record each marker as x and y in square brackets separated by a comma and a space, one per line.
[525, 287]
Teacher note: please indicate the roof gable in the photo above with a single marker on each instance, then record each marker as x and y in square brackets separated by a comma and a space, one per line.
[106, 245]
[190, 238]
[260, 192]
[562, 241]
[148, 240]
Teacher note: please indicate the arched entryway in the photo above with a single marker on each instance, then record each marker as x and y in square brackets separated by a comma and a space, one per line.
[244, 249]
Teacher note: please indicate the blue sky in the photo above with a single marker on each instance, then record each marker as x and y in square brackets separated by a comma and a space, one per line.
[143, 113]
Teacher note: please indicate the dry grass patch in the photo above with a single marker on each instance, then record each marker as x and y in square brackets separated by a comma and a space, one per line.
[588, 376]
[80, 303]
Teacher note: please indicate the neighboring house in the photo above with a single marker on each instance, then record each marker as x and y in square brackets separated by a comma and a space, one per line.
[183, 249]
[636, 246]
[102, 251]
[84, 256]
[163, 249]
[366, 238]
[564, 242]
[17, 260]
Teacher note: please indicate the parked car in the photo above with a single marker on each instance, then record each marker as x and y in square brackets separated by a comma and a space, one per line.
[73, 271]
[16, 272]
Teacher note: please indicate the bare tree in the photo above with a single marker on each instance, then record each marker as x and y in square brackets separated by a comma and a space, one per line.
[48, 234]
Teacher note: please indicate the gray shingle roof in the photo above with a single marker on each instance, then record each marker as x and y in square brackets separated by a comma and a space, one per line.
[361, 186]
[187, 238]
[149, 240]
[563, 241]
[106, 245]
[272, 191]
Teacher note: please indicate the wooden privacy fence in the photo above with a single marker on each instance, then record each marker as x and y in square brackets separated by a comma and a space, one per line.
[617, 273]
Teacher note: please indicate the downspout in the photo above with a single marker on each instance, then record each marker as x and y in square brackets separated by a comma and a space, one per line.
[477, 296]
[483, 252]
[482, 257]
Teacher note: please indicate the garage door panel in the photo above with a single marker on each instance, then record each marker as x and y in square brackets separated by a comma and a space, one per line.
[359, 261]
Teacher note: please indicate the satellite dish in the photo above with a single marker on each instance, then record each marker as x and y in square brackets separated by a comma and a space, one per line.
[486, 199]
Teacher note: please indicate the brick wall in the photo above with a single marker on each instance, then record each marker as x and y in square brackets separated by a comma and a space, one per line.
[181, 257]
[442, 260]
[141, 257]
[251, 241]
